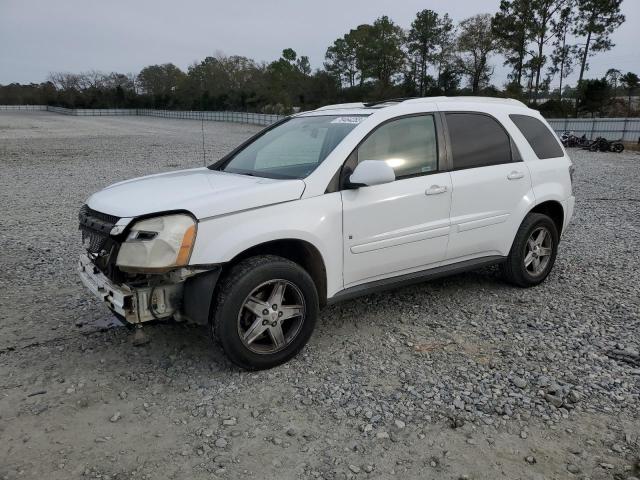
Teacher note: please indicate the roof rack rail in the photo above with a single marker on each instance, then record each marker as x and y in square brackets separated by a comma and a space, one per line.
[413, 100]
[389, 100]
[340, 106]
[470, 99]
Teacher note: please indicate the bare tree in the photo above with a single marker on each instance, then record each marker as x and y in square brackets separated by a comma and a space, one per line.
[65, 81]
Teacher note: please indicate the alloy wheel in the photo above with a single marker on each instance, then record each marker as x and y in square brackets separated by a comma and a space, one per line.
[538, 251]
[271, 316]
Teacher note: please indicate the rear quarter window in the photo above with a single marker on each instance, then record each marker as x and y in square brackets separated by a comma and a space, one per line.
[543, 142]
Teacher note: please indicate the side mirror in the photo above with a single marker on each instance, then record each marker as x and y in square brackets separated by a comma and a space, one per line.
[371, 172]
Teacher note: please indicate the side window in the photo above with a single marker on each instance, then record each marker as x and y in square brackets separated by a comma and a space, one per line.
[477, 141]
[408, 145]
[542, 141]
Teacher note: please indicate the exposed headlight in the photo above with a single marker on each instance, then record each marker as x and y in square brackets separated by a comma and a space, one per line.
[158, 244]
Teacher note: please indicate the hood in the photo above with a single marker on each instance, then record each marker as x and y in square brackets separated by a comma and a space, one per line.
[203, 192]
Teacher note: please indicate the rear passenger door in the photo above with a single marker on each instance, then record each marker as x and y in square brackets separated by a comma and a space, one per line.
[490, 182]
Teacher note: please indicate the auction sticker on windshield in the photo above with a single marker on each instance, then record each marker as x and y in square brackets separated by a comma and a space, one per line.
[350, 120]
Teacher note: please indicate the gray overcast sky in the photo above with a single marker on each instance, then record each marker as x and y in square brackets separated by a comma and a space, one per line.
[42, 36]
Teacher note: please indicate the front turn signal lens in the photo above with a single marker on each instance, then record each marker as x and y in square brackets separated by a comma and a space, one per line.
[187, 246]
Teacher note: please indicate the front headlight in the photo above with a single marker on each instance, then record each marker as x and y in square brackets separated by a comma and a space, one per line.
[158, 244]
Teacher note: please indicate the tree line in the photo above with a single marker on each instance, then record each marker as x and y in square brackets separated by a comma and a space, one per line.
[540, 41]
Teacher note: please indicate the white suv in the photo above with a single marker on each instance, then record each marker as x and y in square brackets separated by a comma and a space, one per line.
[327, 205]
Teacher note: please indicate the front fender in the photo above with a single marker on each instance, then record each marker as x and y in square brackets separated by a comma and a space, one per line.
[314, 220]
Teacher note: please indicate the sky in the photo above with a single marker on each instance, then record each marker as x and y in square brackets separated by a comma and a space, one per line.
[42, 36]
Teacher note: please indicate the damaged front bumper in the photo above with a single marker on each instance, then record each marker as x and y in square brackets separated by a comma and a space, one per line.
[187, 298]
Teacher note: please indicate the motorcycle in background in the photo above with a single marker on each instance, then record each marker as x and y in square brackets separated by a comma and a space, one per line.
[569, 140]
[601, 144]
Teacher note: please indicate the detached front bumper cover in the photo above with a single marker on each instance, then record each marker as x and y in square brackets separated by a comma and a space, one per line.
[132, 304]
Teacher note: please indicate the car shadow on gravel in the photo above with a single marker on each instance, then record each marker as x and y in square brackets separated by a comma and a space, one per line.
[440, 291]
[168, 337]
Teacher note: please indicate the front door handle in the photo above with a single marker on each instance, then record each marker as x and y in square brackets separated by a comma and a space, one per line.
[515, 175]
[436, 189]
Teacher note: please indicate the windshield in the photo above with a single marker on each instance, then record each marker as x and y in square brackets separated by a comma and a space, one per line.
[293, 149]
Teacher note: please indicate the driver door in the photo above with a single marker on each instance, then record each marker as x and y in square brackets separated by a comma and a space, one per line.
[401, 226]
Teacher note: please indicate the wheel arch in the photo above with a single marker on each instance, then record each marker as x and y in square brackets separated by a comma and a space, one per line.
[299, 251]
[552, 209]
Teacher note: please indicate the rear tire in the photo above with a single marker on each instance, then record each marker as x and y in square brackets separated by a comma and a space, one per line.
[617, 147]
[265, 311]
[533, 252]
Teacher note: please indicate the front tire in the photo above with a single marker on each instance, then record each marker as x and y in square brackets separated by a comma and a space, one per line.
[266, 310]
[533, 252]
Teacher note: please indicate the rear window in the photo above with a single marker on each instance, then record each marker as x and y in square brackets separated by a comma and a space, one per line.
[477, 140]
[543, 142]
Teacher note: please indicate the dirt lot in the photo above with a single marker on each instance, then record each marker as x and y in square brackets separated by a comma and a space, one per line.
[463, 377]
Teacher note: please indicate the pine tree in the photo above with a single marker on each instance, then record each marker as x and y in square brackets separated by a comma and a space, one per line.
[595, 21]
[421, 43]
[475, 44]
[512, 27]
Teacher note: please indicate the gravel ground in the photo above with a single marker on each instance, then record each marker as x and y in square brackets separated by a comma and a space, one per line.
[463, 377]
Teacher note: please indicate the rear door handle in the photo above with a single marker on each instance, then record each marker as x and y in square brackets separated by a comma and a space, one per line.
[436, 189]
[515, 175]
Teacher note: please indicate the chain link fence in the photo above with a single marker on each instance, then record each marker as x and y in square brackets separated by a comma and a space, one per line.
[31, 108]
[627, 129]
[215, 116]
[94, 112]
